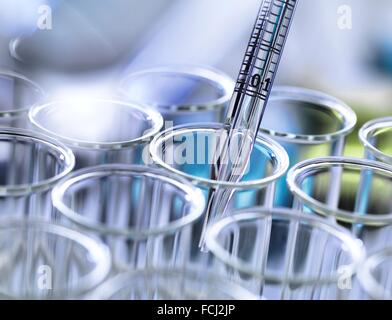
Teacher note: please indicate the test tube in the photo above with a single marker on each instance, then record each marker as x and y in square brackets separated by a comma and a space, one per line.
[348, 191]
[182, 94]
[314, 260]
[98, 131]
[44, 260]
[141, 213]
[171, 284]
[189, 151]
[30, 165]
[375, 275]
[307, 124]
[376, 137]
[17, 95]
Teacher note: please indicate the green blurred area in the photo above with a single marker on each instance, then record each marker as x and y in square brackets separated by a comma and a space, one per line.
[354, 148]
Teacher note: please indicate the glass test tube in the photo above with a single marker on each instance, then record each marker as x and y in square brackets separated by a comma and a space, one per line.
[17, 95]
[376, 137]
[99, 131]
[375, 275]
[30, 165]
[182, 94]
[141, 213]
[307, 124]
[189, 151]
[170, 284]
[43, 260]
[360, 200]
[296, 267]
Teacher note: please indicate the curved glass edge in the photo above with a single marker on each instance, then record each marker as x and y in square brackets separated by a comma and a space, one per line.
[192, 195]
[280, 159]
[301, 168]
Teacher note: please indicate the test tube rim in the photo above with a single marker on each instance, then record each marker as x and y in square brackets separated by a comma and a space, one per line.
[193, 195]
[151, 114]
[365, 276]
[118, 282]
[24, 110]
[207, 73]
[280, 156]
[317, 98]
[66, 155]
[323, 209]
[368, 129]
[357, 251]
[98, 252]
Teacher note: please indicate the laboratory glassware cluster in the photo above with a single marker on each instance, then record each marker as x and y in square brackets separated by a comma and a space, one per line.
[115, 198]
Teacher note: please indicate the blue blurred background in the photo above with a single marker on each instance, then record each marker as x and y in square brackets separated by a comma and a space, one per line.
[91, 44]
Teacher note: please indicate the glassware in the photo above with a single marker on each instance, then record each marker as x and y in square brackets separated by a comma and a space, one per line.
[188, 151]
[356, 193]
[376, 137]
[143, 214]
[42, 260]
[17, 95]
[170, 284]
[307, 124]
[99, 131]
[182, 94]
[375, 275]
[311, 259]
[30, 165]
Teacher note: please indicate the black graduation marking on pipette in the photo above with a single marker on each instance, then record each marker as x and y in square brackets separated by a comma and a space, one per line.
[255, 79]
[265, 47]
[241, 84]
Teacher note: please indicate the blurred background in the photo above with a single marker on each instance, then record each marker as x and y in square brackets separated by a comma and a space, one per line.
[73, 47]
